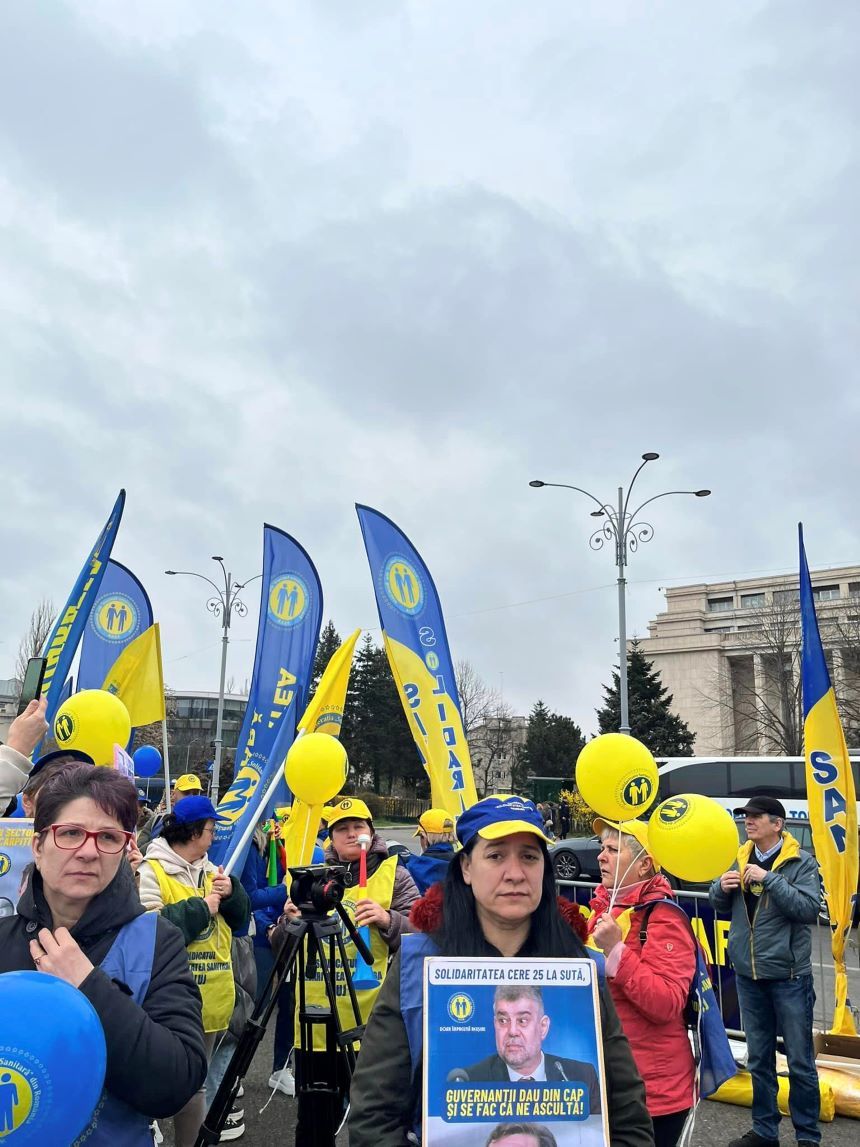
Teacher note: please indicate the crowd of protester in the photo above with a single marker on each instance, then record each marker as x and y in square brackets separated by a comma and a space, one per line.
[123, 903]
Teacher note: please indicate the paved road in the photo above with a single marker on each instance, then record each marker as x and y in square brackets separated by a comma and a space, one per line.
[716, 1123]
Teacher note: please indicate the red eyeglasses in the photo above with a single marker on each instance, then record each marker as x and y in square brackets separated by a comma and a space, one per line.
[108, 840]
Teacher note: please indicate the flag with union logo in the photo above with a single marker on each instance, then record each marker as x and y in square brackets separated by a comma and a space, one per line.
[287, 635]
[417, 646]
[69, 626]
[120, 613]
[829, 793]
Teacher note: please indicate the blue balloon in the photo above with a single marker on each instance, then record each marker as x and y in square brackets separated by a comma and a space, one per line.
[47, 1025]
[147, 761]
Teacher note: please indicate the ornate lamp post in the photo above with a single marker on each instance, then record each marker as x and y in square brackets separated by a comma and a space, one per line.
[224, 603]
[622, 526]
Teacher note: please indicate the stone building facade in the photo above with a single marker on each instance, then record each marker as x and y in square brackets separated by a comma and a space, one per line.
[729, 654]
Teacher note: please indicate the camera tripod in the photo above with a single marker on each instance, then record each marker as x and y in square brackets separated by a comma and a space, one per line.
[314, 937]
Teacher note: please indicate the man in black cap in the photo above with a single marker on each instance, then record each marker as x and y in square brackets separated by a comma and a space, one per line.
[772, 891]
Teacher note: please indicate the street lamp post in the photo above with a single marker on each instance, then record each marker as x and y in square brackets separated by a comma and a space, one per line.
[223, 604]
[622, 527]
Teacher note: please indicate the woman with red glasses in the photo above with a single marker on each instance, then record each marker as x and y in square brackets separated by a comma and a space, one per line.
[80, 919]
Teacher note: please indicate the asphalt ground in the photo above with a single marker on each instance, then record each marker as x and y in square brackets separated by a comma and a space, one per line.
[272, 1124]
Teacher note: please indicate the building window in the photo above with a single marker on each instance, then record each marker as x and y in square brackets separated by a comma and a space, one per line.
[825, 592]
[854, 589]
[752, 600]
[720, 604]
[786, 596]
[718, 629]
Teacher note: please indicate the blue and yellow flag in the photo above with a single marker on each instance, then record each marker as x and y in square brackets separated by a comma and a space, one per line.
[287, 635]
[120, 613]
[830, 793]
[136, 678]
[417, 646]
[69, 626]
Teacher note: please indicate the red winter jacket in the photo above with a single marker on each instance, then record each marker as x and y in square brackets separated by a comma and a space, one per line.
[649, 987]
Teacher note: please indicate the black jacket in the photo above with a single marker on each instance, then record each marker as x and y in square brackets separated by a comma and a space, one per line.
[493, 1069]
[384, 1092]
[155, 1054]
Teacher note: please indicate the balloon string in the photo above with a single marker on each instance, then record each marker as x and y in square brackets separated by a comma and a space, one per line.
[616, 885]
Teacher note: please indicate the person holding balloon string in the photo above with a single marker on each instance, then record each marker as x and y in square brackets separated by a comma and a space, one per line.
[80, 920]
[176, 880]
[650, 981]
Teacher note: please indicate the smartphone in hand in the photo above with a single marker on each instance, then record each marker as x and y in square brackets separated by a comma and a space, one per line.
[32, 687]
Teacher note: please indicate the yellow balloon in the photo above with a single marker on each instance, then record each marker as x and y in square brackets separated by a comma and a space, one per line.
[316, 768]
[693, 837]
[93, 721]
[616, 776]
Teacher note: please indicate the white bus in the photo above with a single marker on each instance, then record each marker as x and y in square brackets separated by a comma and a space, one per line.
[733, 780]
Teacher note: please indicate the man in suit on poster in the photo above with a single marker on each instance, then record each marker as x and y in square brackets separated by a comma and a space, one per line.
[521, 1026]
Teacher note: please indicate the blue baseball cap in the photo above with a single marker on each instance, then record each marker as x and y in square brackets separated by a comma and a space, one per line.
[58, 754]
[495, 817]
[190, 809]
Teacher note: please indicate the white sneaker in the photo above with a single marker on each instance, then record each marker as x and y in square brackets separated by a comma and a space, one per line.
[157, 1137]
[233, 1129]
[283, 1081]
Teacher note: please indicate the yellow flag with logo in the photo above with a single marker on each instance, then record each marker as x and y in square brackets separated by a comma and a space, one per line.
[136, 678]
[324, 714]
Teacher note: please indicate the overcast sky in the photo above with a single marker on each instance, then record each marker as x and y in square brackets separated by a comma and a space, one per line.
[260, 261]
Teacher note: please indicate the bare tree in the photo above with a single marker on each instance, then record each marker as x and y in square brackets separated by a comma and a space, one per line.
[761, 697]
[38, 631]
[491, 742]
[476, 697]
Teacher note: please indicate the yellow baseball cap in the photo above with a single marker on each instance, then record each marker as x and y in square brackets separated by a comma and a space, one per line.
[638, 829]
[188, 783]
[350, 808]
[434, 820]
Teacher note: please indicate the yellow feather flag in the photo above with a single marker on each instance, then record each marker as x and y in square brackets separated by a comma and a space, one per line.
[136, 678]
[324, 713]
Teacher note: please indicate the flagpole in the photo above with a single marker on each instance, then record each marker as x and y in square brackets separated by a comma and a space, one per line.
[252, 822]
[166, 756]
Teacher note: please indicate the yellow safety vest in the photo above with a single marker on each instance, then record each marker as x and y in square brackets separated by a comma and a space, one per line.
[208, 955]
[380, 888]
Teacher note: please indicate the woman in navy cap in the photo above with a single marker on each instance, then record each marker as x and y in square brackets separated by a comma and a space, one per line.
[498, 899]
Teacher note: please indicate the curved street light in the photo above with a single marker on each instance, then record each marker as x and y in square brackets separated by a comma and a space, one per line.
[223, 603]
[623, 527]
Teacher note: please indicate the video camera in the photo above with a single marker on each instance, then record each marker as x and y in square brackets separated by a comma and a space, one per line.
[319, 888]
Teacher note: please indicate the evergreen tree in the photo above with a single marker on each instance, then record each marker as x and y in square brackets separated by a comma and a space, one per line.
[651, 718]
[378, 741]
[553, 742]
[329, 641]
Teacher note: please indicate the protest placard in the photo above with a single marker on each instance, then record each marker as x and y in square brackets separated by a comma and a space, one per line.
[16, 835]
[513, 1054]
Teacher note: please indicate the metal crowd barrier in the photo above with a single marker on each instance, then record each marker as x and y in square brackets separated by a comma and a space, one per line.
[722, 970]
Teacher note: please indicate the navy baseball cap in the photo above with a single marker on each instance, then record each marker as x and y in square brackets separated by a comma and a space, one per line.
[48, 758]
[495, 817]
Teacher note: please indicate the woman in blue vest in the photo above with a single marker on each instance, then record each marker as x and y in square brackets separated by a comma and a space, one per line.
[80, 919]
[499, 899]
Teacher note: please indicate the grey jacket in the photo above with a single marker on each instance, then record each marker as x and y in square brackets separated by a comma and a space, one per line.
[777, 943]
[14, 770]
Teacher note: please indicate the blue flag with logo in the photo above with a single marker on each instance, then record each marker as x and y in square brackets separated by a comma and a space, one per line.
[287, 635]
[121, 612]
[69, 626]
[417, 646]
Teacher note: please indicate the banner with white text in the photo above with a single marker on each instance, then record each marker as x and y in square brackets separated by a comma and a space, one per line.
[287, 635]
